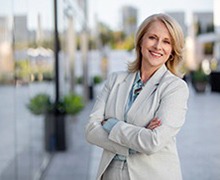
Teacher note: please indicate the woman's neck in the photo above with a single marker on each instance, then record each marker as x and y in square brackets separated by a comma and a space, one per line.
[146, 73]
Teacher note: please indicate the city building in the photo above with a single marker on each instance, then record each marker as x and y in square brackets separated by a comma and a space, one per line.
[203, 22]
[20, 28]
[6, 62]
[204, 36]
[129, 20]
[5, 34]
[180, 17]
[216, 12]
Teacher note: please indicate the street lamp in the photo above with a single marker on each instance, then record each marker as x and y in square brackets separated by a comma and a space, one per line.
[56, 54]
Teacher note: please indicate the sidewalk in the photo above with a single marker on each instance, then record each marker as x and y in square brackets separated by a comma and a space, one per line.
[198, 144]
[75, 162]
[198, 141]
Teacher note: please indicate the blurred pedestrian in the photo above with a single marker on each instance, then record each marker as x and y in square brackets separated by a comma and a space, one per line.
[139, 112]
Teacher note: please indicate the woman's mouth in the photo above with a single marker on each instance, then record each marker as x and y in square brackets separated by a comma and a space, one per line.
[155, 54]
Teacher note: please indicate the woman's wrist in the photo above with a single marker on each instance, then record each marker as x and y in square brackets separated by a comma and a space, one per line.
[103, 121]
[108, 124]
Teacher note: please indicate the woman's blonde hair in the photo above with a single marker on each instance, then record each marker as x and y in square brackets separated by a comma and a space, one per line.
[177, 41]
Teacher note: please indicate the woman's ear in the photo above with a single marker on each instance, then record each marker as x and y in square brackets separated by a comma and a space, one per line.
[171, 56]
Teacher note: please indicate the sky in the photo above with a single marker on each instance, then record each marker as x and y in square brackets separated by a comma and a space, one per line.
[108, 11]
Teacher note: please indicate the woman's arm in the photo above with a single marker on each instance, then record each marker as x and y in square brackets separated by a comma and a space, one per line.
[171, 112]
[95, 134]
[108, 124]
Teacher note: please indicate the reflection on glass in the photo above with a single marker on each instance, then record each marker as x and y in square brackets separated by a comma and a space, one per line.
[26, 68]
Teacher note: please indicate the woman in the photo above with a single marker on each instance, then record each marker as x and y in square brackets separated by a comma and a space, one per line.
[138, 114]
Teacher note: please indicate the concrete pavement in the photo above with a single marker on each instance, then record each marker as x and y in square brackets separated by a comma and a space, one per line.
[75, 162]
[198, 141]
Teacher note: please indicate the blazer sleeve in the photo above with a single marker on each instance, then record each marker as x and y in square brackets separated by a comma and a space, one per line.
[171, 111]
[95, 134]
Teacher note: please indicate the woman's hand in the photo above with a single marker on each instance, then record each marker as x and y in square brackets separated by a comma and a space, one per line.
[154, 123]
[103, 122]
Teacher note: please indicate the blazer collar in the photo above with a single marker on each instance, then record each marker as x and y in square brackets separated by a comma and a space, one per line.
[155, 79]
[124, 88]
[149, 88]
[123, 92]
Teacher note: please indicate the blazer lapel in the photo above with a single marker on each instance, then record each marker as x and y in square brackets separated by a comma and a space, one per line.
[122, 94]
[147, 91]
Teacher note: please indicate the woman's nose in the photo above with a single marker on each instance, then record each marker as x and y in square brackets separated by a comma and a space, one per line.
[157, 45]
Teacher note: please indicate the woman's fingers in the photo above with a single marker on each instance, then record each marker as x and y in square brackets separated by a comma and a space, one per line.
[153, 124]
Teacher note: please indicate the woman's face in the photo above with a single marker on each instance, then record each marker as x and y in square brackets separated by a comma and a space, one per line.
[156, 46]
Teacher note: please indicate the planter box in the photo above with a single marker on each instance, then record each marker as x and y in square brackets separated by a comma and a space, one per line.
[55, 132]
[215, 81]
[200, 87]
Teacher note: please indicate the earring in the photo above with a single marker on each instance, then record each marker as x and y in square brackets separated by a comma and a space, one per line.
[171, 57]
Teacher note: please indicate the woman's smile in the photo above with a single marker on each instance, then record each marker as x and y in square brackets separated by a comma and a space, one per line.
[156, 54]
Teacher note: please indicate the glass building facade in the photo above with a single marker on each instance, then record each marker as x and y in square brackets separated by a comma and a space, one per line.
[27, 68]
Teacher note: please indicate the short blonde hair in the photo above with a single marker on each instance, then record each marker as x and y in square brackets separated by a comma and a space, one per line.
[177, 41]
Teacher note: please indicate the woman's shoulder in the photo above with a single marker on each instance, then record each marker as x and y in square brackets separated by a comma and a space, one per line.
[115, 78]
[172, 81]
[119, 75]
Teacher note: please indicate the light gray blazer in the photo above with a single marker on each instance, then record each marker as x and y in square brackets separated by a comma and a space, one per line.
[164, 96]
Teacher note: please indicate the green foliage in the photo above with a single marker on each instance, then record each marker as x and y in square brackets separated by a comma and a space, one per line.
[208, 48]
[105, 34]
[97, 79]
[46, 76]
[46, 43]
[70, 104]
[108, 37]
[40, 104]
[79, 80]
[22, 69]
[199, 76]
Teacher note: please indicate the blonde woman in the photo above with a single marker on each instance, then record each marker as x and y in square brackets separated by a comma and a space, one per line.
[139, 112]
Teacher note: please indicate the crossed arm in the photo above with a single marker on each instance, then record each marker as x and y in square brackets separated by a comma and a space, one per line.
[154, 123]
[149, 139]
[108, 124]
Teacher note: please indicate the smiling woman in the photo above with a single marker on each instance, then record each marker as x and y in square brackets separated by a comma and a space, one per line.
[140, 111]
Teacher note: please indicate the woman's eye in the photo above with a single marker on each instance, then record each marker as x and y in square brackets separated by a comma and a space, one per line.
[167, 42]
[151, 37]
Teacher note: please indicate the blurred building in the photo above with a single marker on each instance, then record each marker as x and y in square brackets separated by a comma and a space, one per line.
[201, 37]
[203, 22]
[189, 59]
[5, 34]
[39, 33]
[180, 18]
[129, 20]
[6, 62]
[20, 28]
[204, 36]
[216, 12]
